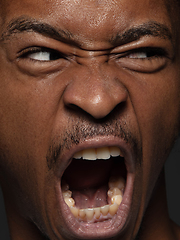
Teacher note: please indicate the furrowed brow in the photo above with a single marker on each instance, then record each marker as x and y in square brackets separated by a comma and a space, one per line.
[22, 24]
[151, 28]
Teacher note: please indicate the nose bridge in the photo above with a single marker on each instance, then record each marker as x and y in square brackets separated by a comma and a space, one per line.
[95, 88]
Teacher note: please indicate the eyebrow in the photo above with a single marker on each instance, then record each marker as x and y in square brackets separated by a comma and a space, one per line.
[151, 28]
[22, 24]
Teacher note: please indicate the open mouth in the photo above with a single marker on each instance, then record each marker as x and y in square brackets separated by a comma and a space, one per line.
[94, 183]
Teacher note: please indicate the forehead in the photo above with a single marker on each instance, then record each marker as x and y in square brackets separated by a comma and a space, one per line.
[88, 20]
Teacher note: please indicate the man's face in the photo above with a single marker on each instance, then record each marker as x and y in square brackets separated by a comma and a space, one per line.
[79, 75]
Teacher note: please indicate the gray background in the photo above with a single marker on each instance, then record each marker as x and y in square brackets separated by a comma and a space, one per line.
[172, 170]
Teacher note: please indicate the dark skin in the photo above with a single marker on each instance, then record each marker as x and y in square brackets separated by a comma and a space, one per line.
[112, 81]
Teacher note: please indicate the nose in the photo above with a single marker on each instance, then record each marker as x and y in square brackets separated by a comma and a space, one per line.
[95, 90]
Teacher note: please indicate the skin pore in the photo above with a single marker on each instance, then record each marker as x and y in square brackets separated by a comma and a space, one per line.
[78, 75]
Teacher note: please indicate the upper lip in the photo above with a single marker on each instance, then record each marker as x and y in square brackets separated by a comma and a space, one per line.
[86, 230]
[98, 142]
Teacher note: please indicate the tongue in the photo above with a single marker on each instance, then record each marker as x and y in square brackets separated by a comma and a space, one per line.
[88, 180]
[89, 175]
[91, 198]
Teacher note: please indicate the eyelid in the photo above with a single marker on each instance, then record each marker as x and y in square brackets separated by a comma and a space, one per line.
[30, 50]
[153, 51]
[35, 67]
[157, 58]
[147, 42]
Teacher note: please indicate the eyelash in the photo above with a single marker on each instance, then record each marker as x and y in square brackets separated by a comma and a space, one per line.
[145, 59]
[151, 53]
[54, 55]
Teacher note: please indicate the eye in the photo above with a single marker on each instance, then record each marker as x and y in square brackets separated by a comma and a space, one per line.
[146, 53]
[37, 60]
[145, 60]
[41, 54]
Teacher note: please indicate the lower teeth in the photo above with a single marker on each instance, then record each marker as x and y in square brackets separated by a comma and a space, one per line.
[115, 193]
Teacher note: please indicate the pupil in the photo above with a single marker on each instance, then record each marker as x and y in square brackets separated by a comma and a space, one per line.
[55, 55]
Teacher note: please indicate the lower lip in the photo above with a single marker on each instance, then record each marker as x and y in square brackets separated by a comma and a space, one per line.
[107, 229]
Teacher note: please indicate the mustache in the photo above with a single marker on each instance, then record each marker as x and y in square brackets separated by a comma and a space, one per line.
[81, 130]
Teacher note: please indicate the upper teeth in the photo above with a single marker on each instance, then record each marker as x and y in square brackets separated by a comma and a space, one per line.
[98, 153]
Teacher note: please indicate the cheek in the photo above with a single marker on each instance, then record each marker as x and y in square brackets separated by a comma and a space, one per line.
[27, 111]
[156, 101]
[158, 115]
[25, 126]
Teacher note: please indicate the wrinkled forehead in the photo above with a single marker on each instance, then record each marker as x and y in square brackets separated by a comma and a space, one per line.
[90, 19]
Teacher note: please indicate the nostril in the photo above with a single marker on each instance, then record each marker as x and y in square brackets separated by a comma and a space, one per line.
[98, 107]
[77, 111]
